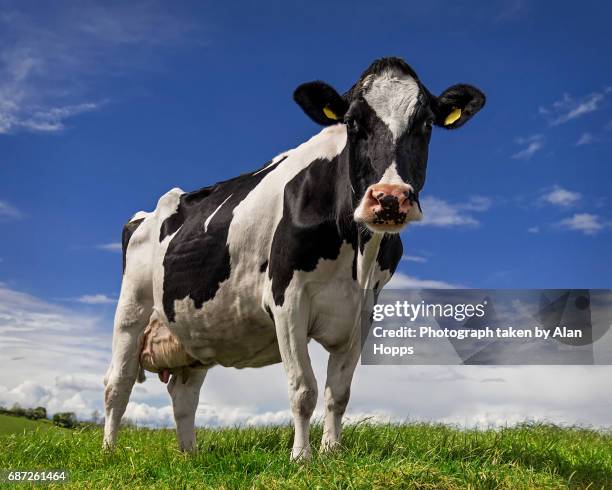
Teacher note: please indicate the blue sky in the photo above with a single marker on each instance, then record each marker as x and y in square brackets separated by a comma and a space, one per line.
[105, 106]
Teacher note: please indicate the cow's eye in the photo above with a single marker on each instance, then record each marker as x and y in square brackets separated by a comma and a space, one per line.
[428, 123]
[352, 125]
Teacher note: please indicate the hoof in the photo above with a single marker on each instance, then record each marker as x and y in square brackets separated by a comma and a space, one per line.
[301, 454]
[189, 451]
[107, 447]
[329, 446]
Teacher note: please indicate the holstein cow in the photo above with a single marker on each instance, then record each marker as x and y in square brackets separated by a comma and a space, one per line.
[245, 272]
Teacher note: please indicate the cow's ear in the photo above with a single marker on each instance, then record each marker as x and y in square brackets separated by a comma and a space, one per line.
[456, 105]
[321, 102]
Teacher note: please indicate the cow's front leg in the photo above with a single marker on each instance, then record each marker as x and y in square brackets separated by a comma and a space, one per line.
[184, 389]
[130, 321]
[340, 369]
[293, 345]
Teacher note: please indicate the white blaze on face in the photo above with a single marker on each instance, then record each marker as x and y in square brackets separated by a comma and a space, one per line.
[391, 176]
[393, 96]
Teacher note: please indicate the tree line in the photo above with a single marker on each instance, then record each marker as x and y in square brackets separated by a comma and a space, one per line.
[61, 419]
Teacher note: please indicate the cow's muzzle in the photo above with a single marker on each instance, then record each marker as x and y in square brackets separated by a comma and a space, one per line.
[388, 207]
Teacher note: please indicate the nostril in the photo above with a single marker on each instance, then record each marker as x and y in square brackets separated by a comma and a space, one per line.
[406, 204]
[411, 196]
[388, 201]
[370, 197]
[375, 195]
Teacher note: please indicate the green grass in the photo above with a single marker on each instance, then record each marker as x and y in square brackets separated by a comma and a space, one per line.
[375, 456]
[18, 425]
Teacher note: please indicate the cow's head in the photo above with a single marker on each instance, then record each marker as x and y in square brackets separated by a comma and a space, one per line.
[388, 115]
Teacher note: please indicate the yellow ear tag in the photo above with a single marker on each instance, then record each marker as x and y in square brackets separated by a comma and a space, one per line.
[329, 113]
[453, 116]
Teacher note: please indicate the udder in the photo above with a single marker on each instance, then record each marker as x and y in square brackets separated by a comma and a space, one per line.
[162, 351]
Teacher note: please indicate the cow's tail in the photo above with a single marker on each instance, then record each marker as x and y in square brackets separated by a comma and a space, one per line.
[128, 230]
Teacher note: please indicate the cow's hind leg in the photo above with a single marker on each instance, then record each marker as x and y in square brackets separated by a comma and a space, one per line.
[131, 319]
[184, 389]
[340, 369]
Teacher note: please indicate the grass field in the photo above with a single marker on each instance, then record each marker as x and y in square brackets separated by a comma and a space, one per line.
[16, 425]
[374, 456]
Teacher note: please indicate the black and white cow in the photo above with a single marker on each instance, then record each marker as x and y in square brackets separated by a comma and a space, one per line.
[244, 272]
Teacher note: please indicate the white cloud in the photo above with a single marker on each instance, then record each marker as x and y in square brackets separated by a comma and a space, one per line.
[404, 281]
[77, 383]
[569, 108]
[414, 258]
[96, 299]
[206, 415]
[440, 213]
[110, 247]
[53, 119]
[586, 138]
[437, 212]
[530, 146]
[53, 397]
[49, 64]
[478, 203]
[589, 224]
[559, 196]
[40, 345]
[9, 212]
[24, 101]
[534, 229]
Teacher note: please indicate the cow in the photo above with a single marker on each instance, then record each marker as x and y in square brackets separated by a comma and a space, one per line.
[243, 273]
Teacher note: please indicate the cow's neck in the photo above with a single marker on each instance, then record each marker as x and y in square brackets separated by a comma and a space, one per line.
[366, 244]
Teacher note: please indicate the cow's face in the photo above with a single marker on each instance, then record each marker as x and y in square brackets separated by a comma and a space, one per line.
[389, 116]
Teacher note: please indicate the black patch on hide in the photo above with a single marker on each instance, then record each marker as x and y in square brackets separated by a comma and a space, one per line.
[128, 230]
[390, 252]
[317, 219]
[198, 261]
